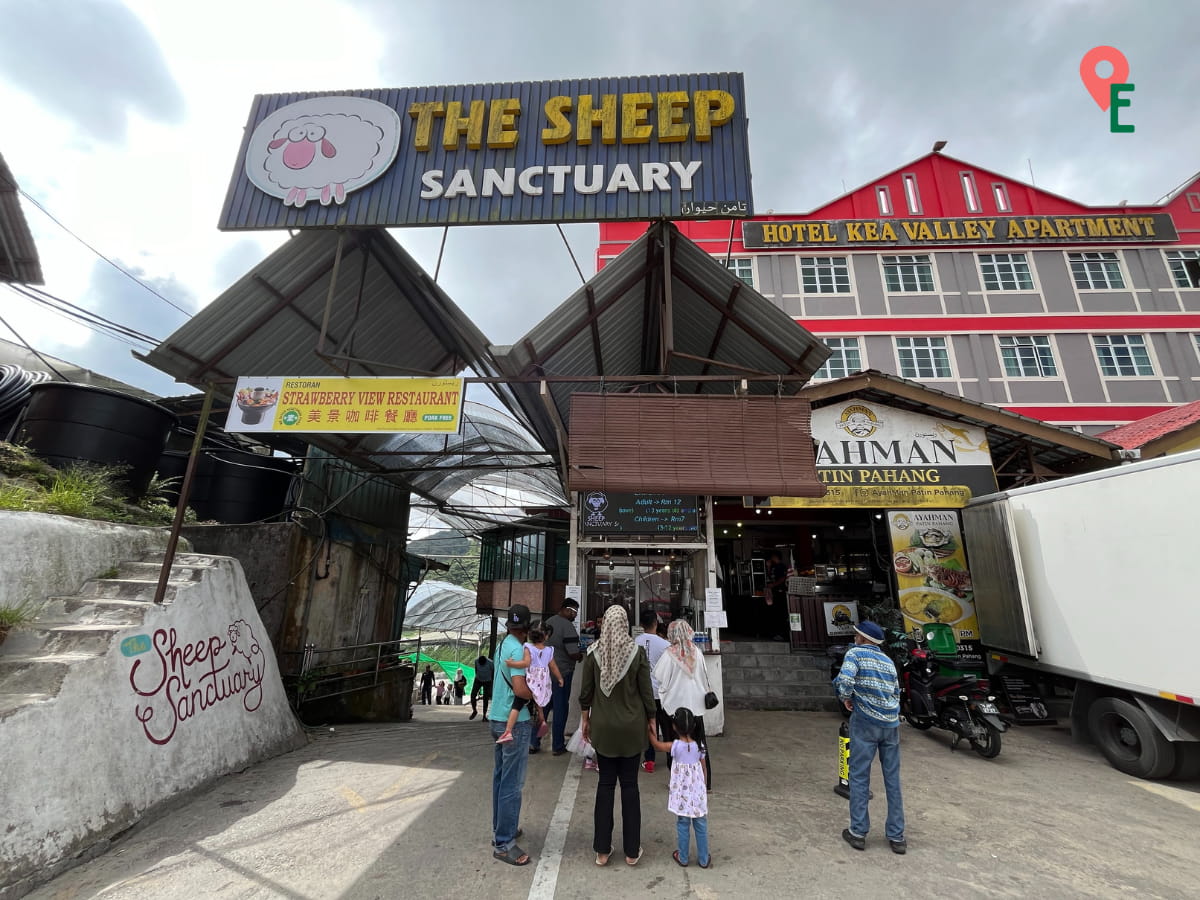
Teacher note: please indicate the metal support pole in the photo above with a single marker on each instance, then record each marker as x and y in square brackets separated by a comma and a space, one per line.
[185, 492]
[333, 277]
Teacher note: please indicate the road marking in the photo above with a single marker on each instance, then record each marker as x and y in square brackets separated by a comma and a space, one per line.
[353, 799]
[1183, 798]
[545, 879]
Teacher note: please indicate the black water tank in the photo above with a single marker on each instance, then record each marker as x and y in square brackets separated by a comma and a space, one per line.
[238, 488]
[77, 423]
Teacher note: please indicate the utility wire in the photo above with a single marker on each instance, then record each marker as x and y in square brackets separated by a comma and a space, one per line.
[92, 320]
[119, 268]
[34, 352]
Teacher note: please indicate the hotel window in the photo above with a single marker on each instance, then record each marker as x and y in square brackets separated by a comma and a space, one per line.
[1122, 354]
[1097, 271]
[912, 195]
[825, 274]
[1185, 267]
[1027, 356]
[1000, 192]
[970, 193]
[907, 274]
[1005, 272]
[923, 357]
[884, 196]
[1196, 341]
[743, 268]
[844, 361]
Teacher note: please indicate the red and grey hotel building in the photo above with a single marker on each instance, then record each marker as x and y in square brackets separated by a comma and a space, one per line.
[985, 287]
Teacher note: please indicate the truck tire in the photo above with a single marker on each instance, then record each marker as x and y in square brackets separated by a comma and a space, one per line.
[1187, 762]
[1129, 740]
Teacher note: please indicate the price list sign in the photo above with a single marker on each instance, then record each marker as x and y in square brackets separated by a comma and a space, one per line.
[608, 512]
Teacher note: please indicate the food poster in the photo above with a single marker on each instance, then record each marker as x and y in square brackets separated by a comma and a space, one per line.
[932, 579]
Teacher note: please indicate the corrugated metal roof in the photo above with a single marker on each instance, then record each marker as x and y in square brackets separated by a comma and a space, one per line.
[1139, 433]
[18, 254]
[613, 326]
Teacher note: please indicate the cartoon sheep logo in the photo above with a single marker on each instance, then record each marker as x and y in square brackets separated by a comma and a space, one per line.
[322, 148]
[242, 639]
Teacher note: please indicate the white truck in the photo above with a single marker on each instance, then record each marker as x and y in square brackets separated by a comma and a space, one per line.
[1093, 583]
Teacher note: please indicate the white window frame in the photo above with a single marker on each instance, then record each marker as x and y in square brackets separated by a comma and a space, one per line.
[1000, 195]
[1029, 342]
[1180, 255]
[912, 194]
[823, 373]
[1098, 256]
[930, 347]
[734, 264]
[970, 192]
[1107, 340]
[883, 196]
[1009, 261]
[1196, 342]
[825, 262]
[909, 259]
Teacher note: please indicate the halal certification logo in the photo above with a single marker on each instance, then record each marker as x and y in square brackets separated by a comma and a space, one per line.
[902, 522]
[859, 421]
[290, 417]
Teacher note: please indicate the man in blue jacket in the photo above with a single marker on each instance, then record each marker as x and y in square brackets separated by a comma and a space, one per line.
[870, 689]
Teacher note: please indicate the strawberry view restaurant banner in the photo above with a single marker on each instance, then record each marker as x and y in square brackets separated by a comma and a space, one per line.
[347, 405]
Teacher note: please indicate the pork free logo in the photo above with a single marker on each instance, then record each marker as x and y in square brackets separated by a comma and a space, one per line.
[1106, 90]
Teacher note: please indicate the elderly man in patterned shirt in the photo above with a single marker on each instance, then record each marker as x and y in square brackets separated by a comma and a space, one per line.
[870, 689]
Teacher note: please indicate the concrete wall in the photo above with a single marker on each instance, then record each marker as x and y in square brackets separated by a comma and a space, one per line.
[45, 556]
[191, 694]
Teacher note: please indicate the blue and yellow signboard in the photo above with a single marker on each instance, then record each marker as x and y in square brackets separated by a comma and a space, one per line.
[584, 150]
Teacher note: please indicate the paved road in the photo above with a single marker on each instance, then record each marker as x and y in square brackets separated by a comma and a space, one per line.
[404, 810]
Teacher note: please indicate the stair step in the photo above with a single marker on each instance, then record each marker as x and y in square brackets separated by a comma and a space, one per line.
[801, 704]
[91, 610]
[127, 589]
[33, 674]
[88, 639]
[204, 560]
[149, 570]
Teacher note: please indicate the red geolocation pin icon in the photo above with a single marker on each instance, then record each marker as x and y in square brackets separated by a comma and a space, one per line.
[1099, 87]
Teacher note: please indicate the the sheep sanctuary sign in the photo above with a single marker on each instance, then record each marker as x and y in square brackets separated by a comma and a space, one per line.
[584, 150]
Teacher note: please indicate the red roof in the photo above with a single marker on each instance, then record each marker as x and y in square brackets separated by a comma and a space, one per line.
[1143, 431]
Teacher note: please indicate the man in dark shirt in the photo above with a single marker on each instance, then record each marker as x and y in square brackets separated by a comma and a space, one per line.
[776, 597]
[563, 637]
[482, 686]
[427, 686]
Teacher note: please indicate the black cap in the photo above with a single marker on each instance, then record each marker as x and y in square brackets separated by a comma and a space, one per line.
[518, 616]
[571, 602]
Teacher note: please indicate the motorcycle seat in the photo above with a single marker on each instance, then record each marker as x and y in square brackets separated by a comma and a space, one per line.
[941, 682]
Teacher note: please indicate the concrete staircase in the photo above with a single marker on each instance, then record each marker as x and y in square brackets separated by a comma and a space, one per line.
[769, 675]
[69, 630]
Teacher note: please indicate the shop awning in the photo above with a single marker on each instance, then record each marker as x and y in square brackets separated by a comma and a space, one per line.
[18, 254]
[664, 307]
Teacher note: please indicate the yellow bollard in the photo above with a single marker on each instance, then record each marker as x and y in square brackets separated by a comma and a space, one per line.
[843, 785]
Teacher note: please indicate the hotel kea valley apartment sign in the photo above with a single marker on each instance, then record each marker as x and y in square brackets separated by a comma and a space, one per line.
[875, 456]
[602, 149]
[898, 232]
[347, 405]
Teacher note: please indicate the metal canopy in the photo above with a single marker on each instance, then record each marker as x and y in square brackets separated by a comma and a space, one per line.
[1024, 450]
[663, 307]
[18, 254]
[354, 303]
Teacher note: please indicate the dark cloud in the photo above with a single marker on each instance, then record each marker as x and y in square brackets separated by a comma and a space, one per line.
[119, 299]
[92, 61]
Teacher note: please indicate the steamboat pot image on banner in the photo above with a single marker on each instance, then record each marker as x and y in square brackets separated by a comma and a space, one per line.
[932, 578]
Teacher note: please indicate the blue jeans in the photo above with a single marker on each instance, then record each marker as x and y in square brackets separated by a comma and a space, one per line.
[560, 699]
[508, 779]
[681, 830]
[867, 738]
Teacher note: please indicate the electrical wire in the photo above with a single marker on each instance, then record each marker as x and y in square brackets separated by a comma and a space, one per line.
[120, 269]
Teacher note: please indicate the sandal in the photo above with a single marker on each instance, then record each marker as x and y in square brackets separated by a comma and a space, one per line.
[675, 856]
[513, 856]
[703, 866]
[636, 859]
[603, 858]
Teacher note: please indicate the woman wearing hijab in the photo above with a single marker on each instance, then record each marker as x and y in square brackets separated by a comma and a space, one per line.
[616, 703]
[683, 681]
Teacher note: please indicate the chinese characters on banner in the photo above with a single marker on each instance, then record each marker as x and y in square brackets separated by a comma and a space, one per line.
[347, 405]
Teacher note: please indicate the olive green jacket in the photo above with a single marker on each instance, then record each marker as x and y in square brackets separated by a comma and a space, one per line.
[618, 721]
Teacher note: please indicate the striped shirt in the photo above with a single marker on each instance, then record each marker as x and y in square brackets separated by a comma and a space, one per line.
[868, 678]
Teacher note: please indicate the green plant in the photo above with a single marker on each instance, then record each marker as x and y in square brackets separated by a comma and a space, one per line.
[19, 614]
[14, 495]
[111, 572]
[77, 491]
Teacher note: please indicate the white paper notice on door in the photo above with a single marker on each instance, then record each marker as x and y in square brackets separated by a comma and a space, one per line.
[716, 619]
[573, 592]
[713, 600]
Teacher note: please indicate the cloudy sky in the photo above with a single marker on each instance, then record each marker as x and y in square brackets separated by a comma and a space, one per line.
[123, 120]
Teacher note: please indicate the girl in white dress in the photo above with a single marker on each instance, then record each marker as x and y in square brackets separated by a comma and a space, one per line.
[539, 664]
[687, 796]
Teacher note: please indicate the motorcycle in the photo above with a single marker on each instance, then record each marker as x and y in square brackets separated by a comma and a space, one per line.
[960, 703]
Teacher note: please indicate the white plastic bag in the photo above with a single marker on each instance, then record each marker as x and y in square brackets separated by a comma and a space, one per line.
[579, 746]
